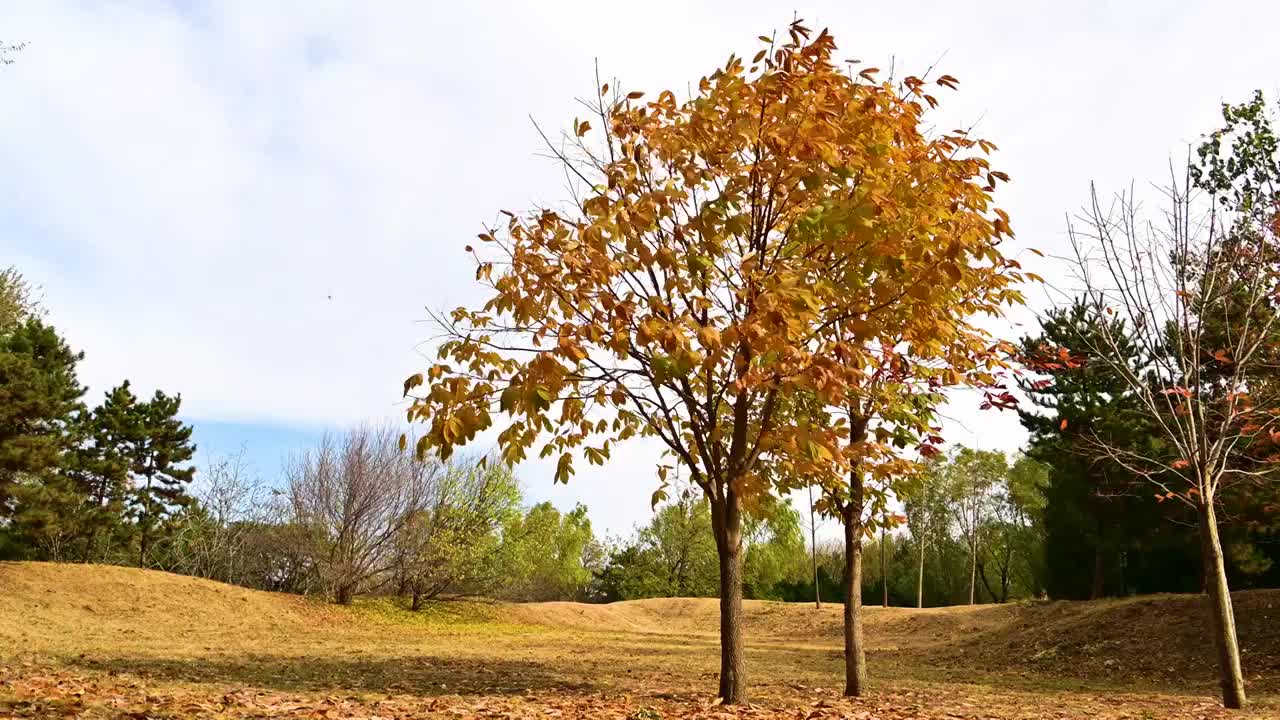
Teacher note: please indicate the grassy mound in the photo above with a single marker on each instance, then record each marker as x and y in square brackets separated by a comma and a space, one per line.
[117, 632]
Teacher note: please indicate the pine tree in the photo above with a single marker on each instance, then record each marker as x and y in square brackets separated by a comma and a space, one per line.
[1104, 534]
[164, 446]
[101, 465]
[39, 394]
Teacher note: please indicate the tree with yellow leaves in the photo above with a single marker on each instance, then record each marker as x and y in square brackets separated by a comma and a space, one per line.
[888, 421]
[720, 258]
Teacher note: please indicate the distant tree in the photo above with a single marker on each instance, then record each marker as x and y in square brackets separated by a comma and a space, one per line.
[17, 299]
[1013, 549]
[280, 556]
[1021, 511]
[545, 554]
[629, 572]
[161, 448]
[928, 516]
[102, 465]
[681, 549]
[452, 543]
[674, 555]
[1095, 507]
[47, 513]
[354, 494]
[973, 480]
[775, 553]
[210, 533]
[813, 548]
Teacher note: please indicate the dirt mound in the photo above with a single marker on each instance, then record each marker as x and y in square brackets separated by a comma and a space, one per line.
[54, 601]
[1161, 640]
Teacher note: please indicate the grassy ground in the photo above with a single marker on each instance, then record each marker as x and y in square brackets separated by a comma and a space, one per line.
[112, 642]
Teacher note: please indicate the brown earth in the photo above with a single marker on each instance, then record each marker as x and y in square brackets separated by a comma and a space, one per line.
[98, 641]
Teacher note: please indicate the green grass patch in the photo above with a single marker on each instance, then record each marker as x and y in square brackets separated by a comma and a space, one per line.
[445, 616]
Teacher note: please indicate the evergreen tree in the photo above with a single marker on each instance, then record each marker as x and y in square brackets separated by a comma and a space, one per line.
[163, 445]
[39, 394]
[101, 465]
[1104, 533]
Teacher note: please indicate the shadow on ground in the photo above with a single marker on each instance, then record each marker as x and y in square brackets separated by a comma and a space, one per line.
[427, 676]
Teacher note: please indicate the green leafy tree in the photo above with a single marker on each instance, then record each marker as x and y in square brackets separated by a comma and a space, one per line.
[451, 544]
[1011, 559]
[546, 554]
[17, 299]
[1021, 513]
[972, 484]
[775, 554]
[629, 573]
[681, 550]
[675, 554]
[928, 516]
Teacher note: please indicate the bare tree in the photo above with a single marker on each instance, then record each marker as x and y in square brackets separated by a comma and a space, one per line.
[1197, 291]
[354, 493]
[210, 537]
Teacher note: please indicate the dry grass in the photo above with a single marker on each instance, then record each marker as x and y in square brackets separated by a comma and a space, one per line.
[106, 641]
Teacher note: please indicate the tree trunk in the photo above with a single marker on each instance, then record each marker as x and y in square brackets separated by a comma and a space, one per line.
[1230, 674]
[1004, 580]
[884, 569]
[1099, 575]
[982, 573]
[973, 570]
[88, 546]
[726, 518]
[920, 579]
[855, 658]
[146, 525]
[343, 594]
[813, 549]
[416, 603]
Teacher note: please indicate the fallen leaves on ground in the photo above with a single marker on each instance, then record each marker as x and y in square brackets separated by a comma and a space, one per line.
[37, 692]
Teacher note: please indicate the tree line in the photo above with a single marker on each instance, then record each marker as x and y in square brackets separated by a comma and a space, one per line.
[92, 484]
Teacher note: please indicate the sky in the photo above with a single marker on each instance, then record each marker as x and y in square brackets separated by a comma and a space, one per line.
[256, 203]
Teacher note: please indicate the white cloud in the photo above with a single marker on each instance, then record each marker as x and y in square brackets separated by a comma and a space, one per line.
[191, 184]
